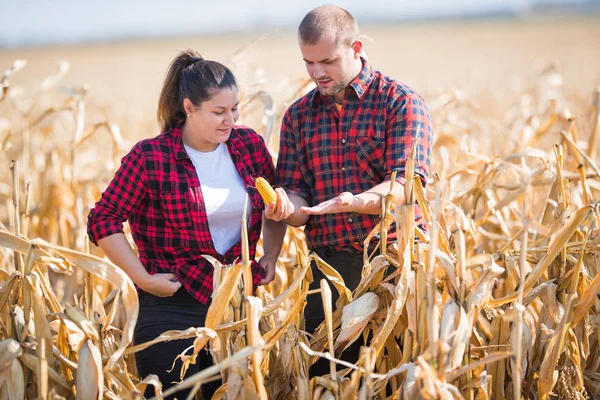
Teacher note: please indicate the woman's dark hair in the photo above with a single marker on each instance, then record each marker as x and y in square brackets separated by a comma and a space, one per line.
[190, 77]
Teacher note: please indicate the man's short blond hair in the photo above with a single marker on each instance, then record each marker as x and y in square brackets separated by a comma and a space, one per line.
[328, 21]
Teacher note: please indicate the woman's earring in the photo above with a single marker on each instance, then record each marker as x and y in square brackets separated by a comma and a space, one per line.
[188, 115]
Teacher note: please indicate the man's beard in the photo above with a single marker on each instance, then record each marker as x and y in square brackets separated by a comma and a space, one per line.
[336, 88]
[331, 91]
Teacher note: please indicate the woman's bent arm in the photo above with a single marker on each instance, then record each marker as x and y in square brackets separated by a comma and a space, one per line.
[118, 250]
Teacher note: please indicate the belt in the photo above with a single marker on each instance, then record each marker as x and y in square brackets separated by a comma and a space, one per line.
[350, 249]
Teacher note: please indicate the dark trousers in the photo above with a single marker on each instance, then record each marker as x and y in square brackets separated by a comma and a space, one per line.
[157, 315]
[349, 264]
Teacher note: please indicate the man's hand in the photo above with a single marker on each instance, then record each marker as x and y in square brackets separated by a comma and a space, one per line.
[269, 264]
[161, 285]
[341, 203]
[281, 210]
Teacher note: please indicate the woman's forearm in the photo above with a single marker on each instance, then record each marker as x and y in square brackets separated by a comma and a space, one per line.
[118, 250]
[296, 218]
[273, 235]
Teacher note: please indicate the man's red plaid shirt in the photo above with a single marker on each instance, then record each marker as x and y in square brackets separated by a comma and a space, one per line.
[157, 190]
[324, 152]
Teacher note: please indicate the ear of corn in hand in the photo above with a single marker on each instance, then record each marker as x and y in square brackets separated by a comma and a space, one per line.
[266, 191]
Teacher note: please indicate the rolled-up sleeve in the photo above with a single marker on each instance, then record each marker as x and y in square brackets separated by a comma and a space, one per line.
[120, 199]
[409, 121]
[289, 172]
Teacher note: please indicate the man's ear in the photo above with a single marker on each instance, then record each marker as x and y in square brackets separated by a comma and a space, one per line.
[357, 48]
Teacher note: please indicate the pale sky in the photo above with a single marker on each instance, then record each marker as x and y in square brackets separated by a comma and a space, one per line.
[74, 21]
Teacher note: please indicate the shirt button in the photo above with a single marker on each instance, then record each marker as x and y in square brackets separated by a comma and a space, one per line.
[349, 219]
[343, 140]
[343, 168]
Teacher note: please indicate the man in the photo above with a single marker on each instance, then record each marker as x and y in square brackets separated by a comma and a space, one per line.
[339, 146]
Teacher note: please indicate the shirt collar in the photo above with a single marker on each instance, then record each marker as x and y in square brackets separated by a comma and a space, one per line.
[360, 84]
[177, 138]
[362, 81]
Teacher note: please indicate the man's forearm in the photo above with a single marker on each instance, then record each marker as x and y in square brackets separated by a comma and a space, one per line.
[369, 202]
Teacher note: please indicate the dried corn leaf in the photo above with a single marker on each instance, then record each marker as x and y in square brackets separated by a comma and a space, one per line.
[9, 350]
[12, 381]
[335, 278]
[89, 379]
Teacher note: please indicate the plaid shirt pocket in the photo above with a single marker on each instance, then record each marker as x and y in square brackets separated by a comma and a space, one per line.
[176, 210]
[370, 157]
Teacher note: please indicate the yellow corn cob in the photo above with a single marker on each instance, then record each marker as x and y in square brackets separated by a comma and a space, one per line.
[266, 191]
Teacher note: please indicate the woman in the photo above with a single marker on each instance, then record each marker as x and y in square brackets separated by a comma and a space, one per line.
[183, 194]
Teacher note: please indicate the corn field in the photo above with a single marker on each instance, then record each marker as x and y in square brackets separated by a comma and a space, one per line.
[499, 300]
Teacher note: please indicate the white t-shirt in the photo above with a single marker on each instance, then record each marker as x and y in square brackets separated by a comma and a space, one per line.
[223, 192]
